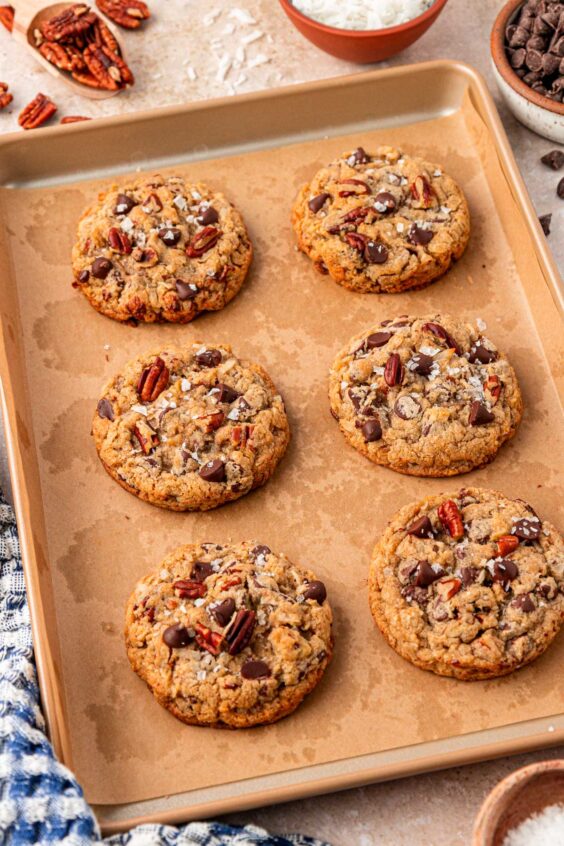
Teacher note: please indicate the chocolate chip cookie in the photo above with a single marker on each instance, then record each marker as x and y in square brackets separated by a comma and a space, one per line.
[426, 396]
[469, 585]
[190, 428]
[229, 635]
[382, 221]
[160, 250]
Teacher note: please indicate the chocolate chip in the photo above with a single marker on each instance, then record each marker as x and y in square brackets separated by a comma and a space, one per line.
[384, 202]
[560, 189]
[554, 160]
[83, 276]
[360, 156]
[209, 216]
[407, 408]
[169, 235]
[415, 594]
[254, 670]
[440, 332]
[223, 612]
[105, 409]
[213, 471]
[124, 204]
[423, 363]
[419, 236]
[481, 353]
[261, 549]
[425, 575]
[316, 591]
[545, 220]
[421, 528]
[186, 290]
[528, 530]
[201, 570]
[101, 267]
[176, 636]
[479, 414]
[376, 253]
[524, 603]
[505, 571]
[209, 358]
[468, 575]
[517, 58]
[317, 203]
[224, 393]
[378, 339]
[372, 430]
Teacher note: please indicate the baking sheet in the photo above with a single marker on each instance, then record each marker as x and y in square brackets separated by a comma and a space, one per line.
[325, 505]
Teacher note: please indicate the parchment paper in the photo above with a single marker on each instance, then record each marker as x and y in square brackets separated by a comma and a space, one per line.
[326, 504]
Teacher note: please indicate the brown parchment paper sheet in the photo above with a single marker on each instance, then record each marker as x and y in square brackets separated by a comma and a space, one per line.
[324, 507]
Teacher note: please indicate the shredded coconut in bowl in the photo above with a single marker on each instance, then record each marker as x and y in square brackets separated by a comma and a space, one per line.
[362, 14]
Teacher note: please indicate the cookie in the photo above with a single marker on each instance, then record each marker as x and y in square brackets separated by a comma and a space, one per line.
[382, 222]
[190, 428]
[229, 635]
[426, 396]
[469, 585]
[160, 250]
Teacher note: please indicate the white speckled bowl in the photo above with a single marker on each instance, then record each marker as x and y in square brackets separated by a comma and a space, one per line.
[542, 115]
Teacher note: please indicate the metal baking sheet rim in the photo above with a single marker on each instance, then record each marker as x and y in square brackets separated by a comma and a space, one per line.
[323, 778]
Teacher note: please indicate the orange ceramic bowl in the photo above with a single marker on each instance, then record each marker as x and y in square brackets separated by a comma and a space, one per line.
[363, 46]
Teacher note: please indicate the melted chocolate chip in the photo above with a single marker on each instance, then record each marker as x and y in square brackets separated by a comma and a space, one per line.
[372, 430]
[421, 528]
[209, 216]
[261, 549]
[105, 409]
[254, 670]
[479, 414]
[378, 339]
[223, 612]
[524, 603]
[425, 575]
[418, 236]
[468, 575]
[505, 571]
[101, 267]
[316, 591]
[83, 276]
[224, 393]
[169, 235]
[186, 290]
[360, 156]
[440, 332]
[423, 363]
[415, 594]
[482, 354]
[386, 200]
[201, 570]
[407, 408]
[124, 204]
[527, 530]
[317, 203]
[176, 636]
[213, 471]
[554, 160]
[209, 358]
[376, 253]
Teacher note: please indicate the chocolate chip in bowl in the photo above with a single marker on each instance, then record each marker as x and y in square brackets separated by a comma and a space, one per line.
[352, 31]
[527, 46]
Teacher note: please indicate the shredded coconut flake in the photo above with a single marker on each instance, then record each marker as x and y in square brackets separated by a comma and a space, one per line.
[543, 829]
[360, 15]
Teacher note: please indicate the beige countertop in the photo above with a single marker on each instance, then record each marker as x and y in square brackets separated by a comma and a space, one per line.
[197, 49]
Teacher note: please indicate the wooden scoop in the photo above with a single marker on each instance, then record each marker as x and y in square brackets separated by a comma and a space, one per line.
[28, 15]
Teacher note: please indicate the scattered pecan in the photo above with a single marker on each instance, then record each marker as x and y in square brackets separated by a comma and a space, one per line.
[7, 17]
[357, 186]
[37, 112]
[5, 96]
[507, 544]
[241, 435]
[146, 436]
[73, 119]
[451, 518]
[153, 380]
[207, 639]
[240, 631]
[63, 56]
[203, 241]
[126, 13]
[119, 241]
[69, 23]
[422, 193]
[189, 588]
[109, 69]
[492, 389]
[102, 35]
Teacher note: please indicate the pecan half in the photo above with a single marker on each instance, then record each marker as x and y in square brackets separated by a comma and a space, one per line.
[69, 23]
[203, 241]
[507, 544]
[153, 380]
[241, 435]
[102, 35]
[207, 639]
[63, 56]
[422, 193]
[119, 241]
[451, 518]
[356, 241]
[440, 332]
[126, 13]
[7, 17]
[86, 78]
[146, 436]
[109, 69]
[5, 96]
[37, 112]
[393, 371]
[73, 119]
[240, 631]
[189, 588]
[356, 187]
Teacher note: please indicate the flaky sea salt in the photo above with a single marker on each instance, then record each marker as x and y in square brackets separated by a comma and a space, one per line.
[363, 14]
[543, 829]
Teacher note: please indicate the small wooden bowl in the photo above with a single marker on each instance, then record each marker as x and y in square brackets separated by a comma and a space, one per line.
[542, 115]
[363, 46]
[522, 794]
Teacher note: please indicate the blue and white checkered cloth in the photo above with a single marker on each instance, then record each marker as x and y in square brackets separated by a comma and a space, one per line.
[40, 800]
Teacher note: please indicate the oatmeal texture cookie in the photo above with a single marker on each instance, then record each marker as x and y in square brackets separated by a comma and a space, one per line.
[190, 428]
[426, 396]
[229, 635]
[160, 250]
[382, 222]
[468, 585]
